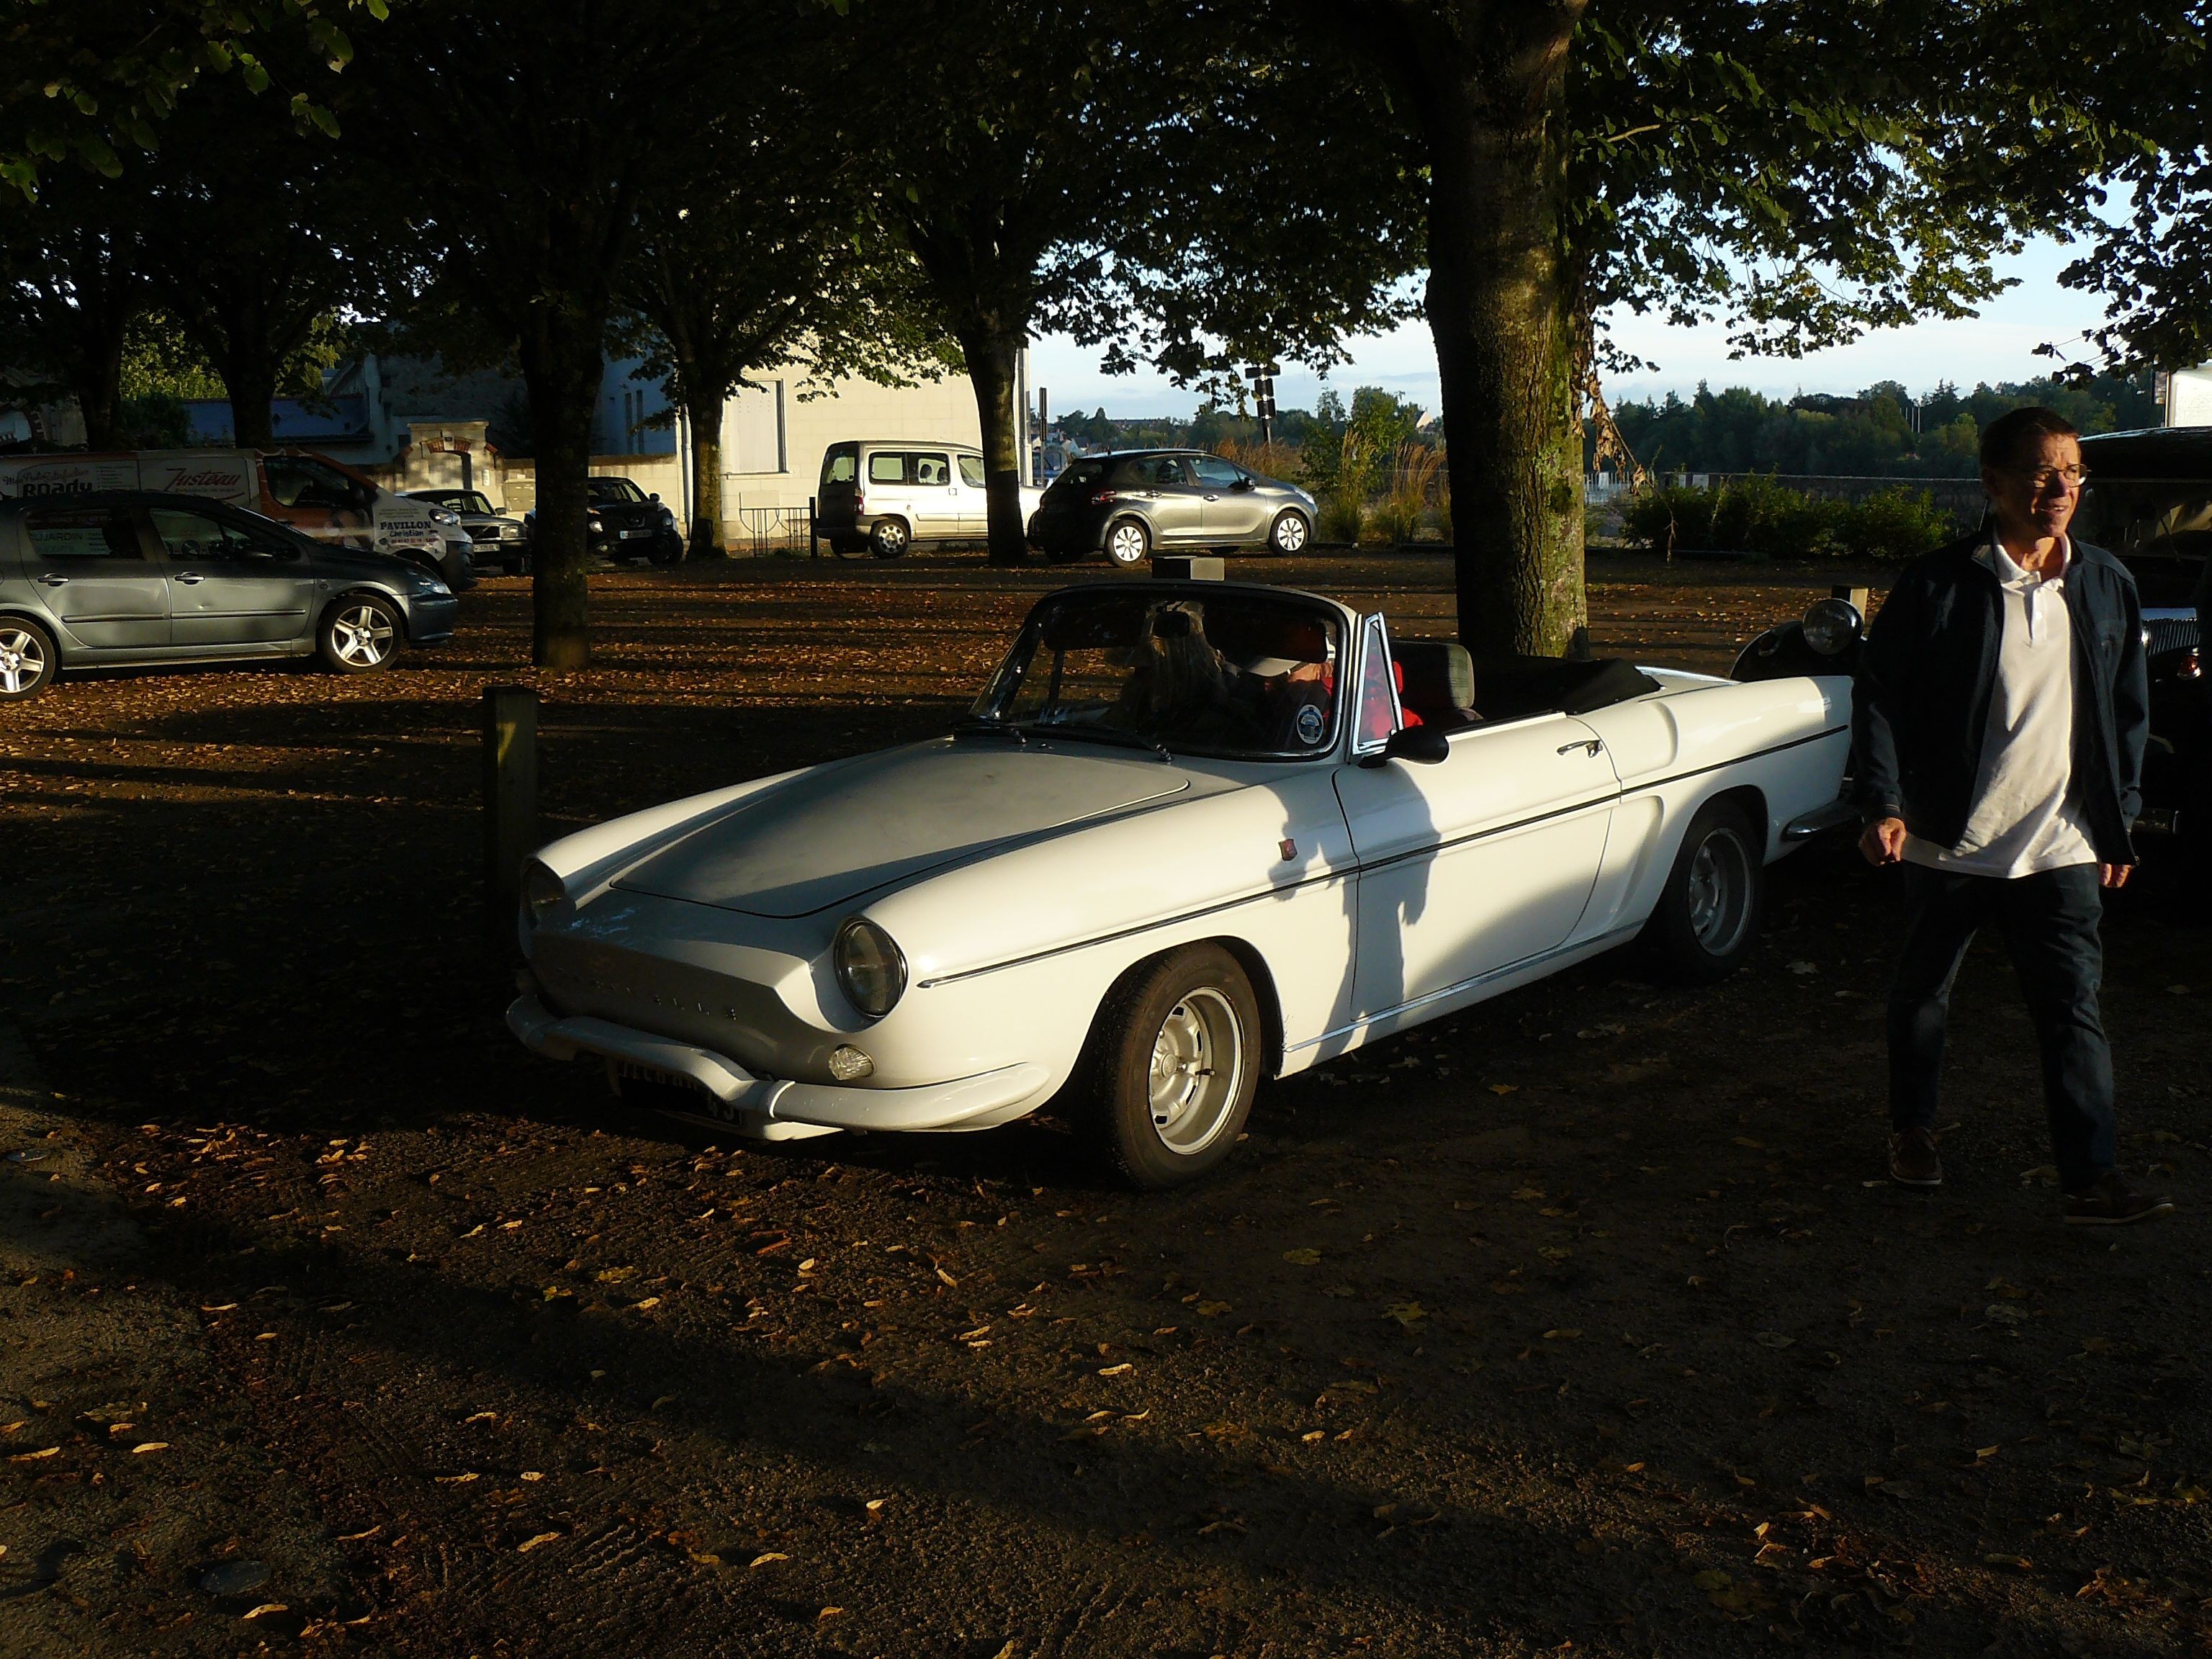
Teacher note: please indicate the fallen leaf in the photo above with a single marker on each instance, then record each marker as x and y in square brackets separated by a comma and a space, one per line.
[1121, 1369]
[1212, 1309]
[1774, 1340]
[1302, 1258]
[1505, 1088]
[530, 1543]
[265, 1607]
[150, 1446]
[33, 1456]
[1407, 1314]
[764, 1559]
[1566, 1334]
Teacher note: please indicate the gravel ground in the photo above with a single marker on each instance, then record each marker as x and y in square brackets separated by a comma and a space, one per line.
[330, 1321]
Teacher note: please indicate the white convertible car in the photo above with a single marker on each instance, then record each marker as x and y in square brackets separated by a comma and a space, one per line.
[1191, 834]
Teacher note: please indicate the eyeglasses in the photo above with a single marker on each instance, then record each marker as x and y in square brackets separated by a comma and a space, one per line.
[2044, 478]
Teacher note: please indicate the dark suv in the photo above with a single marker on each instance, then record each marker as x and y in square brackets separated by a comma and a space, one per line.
[624, 524]
[1136, 502]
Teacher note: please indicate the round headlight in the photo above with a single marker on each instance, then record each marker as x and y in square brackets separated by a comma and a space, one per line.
[543, 892]
[441, 516]
[871, 970]
[1832, 626]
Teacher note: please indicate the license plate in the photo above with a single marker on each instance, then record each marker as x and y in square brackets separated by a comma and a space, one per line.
[619, 1071]
[632, 535]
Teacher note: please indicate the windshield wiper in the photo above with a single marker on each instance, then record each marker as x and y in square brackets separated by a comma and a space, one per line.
[1110, 734]
[976, 726]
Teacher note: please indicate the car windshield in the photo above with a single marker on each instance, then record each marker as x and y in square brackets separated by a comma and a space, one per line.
[2161, 527]
[469, 500]
[613, 489]
[1232, 673]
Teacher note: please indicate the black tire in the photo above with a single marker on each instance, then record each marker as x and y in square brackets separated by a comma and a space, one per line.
[28, 659]
[1289, 533]
[845, 547]
[359, 634]
[890, 539]
[1154, 1107]
[1128, 543]
[1708, 915]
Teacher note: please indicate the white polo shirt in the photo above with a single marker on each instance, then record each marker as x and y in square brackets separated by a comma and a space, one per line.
[2022, 819]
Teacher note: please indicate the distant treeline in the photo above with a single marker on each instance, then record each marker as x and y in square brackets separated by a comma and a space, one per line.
[1870, 435]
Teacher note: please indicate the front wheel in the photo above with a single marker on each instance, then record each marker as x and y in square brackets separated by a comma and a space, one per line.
[1170, 1068]
[360, 634]
[1708, 915]
[28, 658]
[1128, 543]
[890, 538]
[1289, 533]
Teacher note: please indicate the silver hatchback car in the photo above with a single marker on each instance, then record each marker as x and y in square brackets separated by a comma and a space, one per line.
[117, 578]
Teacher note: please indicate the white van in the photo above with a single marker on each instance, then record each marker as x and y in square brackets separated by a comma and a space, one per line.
[887, 494]
[311, 492]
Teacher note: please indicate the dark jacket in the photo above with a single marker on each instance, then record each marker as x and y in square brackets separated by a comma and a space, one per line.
[1921, 702]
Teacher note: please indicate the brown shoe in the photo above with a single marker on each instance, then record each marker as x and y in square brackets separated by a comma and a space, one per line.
[2112, 1203]
[1912, 1160]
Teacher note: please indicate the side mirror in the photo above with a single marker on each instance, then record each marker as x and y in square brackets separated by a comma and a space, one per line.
[654, 497]
[1418, 745]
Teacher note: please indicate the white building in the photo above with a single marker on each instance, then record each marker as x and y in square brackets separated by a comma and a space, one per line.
[2189, 397]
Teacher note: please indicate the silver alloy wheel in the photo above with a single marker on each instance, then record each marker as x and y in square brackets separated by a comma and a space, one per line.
[890, 537]
[362, 635]
[1289, 533]
[1717, 896]
[22, 661]
[1127, 544]
[1197, 1071]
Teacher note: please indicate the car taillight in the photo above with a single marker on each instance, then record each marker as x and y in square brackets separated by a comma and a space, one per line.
[1105, 498]
[859, 502]
[2192, 666]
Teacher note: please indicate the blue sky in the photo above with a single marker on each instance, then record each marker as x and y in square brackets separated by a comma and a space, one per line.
[1999, 345]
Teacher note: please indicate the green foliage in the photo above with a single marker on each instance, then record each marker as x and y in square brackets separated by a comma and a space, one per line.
[154, 420]
[1755, 514]
[1343, 517]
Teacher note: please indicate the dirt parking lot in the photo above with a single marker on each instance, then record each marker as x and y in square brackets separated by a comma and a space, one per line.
[332, 1322]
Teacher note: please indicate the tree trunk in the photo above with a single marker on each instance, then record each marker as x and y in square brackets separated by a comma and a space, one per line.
[98, 381]
[561, 366]
[1506, 334]
[706, 422]
[991, 355]
[250, 376]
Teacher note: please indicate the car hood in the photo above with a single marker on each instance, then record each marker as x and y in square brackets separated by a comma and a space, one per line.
[838, 831]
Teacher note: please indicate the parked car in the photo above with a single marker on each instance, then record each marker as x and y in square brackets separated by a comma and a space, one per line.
[313, 493]
[2149, 501]
[1134, 503]
[886, 494]
[495, 537]
[1192, 834]
[106, 578]
[623, 524]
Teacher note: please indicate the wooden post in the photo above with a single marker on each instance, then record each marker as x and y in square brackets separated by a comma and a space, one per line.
[510, 801]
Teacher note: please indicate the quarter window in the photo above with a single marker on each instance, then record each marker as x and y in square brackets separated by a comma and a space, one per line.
[1217, 474]
[1377, 717]
[971, 470]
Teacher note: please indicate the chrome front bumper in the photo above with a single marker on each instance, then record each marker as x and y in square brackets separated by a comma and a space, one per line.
[773, 1109]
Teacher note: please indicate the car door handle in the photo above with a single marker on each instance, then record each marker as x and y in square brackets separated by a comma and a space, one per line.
[189, 577]
[50, 581]
[1587, 746]
[1213, 498]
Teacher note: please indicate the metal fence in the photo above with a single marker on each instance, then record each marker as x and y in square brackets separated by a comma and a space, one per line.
[765, 530]
[1961, 497]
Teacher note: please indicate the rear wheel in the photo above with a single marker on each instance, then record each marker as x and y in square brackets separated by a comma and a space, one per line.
[1170, 1068]
[1289, 533]
[360, 633]
[28, 659]
[890, 538]
[1707, 918]
[1128, 543]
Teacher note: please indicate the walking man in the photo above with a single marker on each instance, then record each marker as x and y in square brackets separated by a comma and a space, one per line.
[1999, 723]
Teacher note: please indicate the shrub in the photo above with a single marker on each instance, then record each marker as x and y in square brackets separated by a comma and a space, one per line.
[1897, 523]
[1342, 518]
[1646, 520]
[1397, 518]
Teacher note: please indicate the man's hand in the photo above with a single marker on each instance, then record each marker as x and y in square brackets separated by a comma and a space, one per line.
[2114, 875]
[1883, 842]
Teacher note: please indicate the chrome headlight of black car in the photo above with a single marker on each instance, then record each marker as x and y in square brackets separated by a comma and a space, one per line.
[870, 967]
[544, 893]
[1832, 626]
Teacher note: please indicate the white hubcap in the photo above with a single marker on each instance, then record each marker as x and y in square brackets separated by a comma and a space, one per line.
[1125, 545]
[1197, 1070]
[1291, 534]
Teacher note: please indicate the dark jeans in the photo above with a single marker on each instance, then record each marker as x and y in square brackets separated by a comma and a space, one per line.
[2049, 920]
